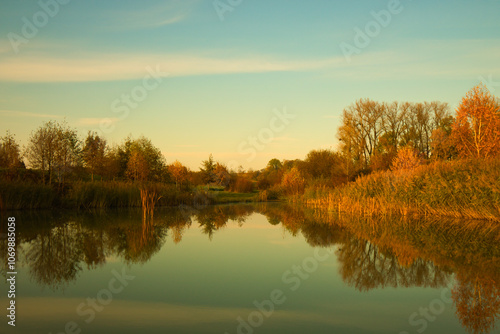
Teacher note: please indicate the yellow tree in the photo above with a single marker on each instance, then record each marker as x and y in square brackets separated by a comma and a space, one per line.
[476, 131]
[178, 172]
[137, 166]
[293, 183]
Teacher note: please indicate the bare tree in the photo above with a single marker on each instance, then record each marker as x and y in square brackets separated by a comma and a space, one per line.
[53, 147]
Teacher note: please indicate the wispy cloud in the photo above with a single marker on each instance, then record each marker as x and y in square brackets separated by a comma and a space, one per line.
[422, 59]
[17, 113]
[109, 67]
[167, 13]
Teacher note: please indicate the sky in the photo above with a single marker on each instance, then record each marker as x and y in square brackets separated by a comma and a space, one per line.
[246, 81]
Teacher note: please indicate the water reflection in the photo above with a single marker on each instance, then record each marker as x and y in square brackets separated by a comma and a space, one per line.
[372, 254]
[477, 301]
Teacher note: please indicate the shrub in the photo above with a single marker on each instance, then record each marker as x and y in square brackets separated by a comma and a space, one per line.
[242, 185]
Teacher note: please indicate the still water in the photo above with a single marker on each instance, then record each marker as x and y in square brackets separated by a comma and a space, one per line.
[249, 269]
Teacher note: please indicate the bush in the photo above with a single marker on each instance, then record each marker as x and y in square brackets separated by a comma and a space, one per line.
[272, 194]
[242, 185]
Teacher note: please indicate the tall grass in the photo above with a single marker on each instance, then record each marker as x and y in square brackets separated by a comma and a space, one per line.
[123, 194]
[460, 189]
[103, 195]
[92, 195]
[25, 195]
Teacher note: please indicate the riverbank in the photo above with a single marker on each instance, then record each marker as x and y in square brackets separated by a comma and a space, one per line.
[459, 189]
[107, 194]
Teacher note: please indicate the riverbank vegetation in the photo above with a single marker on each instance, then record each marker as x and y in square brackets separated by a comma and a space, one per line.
[393, 158]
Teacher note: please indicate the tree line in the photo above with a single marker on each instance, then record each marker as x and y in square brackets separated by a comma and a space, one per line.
[373, 136]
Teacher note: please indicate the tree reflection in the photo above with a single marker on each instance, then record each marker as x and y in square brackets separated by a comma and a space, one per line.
[366, 267]
[137, 243]
[54, 256]
[371, 254]
[94, 248]
[214, 218]
[477, 302]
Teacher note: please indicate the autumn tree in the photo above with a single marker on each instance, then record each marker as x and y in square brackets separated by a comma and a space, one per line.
[148, 163]
[271, 175]
[10, 154]
[94, 153]
[323, 165]
[476, 131]
[221, 175]
[274, 164]
[54, 147]
[137, 166]
[178, 172]
[111, 167]
[207, 170]
[293, 182]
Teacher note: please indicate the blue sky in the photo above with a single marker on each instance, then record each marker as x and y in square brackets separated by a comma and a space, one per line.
[220, 82]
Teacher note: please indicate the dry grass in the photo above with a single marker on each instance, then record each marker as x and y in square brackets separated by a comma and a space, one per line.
[459, 189]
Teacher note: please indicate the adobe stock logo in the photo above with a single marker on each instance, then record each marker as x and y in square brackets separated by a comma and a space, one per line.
[30, 29]
[223, 6]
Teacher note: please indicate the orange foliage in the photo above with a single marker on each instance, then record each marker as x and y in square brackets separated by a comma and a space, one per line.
[476, 131]
[293, 183]
[179, 172]
[137, 166]
[405, 159]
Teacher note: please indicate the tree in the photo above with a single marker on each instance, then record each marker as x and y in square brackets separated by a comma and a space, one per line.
[111, 167]
[137, 166]
[10, 154]
[476, 131]
[52, 147]
[68, 153]
[148, 163]
[324, 164]
[207, 169]
[394, 122]
[178, 172]
[94, 153]
[293, 183]
[442, 145]
[274, 164]
[221, 175]
[362, 125]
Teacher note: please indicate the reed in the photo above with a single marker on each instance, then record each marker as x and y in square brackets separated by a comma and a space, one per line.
[458, 189]
[150, 194]
[25, 195]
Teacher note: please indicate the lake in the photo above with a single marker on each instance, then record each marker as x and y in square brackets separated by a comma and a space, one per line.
[253, 268]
